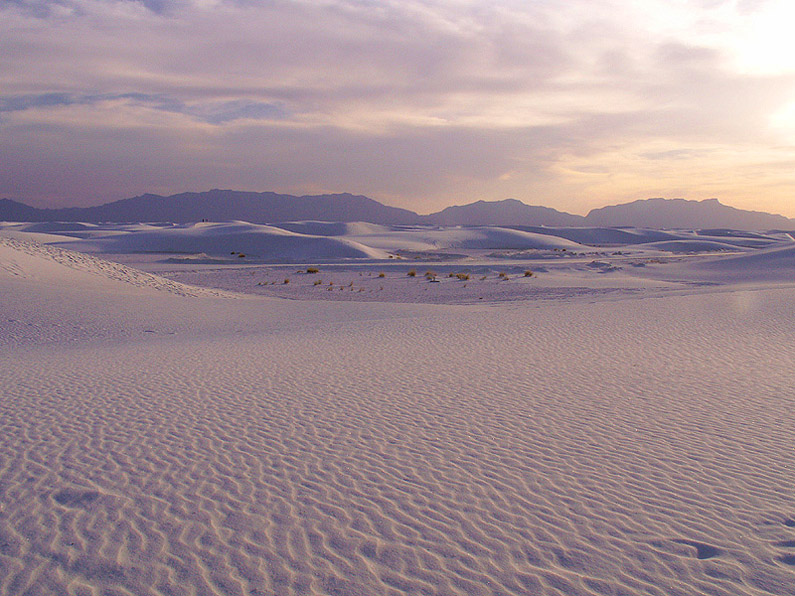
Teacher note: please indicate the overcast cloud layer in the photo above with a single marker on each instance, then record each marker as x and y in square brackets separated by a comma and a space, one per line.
[417, 103]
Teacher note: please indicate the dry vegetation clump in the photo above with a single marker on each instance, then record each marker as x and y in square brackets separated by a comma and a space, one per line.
[317, 282]
[503, 275]
[412, 273]
[312, 269]
[287, 280]
[382, 275]
[462, 276]
[528, 273]
[241, 255]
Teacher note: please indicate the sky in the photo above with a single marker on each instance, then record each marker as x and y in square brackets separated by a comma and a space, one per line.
[572, 104]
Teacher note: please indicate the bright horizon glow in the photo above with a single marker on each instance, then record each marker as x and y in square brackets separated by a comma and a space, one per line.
[419, 104]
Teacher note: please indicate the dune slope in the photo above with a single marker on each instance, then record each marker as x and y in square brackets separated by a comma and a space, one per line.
[629, 447]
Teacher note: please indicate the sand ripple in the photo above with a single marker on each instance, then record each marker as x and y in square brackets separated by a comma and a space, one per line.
[637, 447]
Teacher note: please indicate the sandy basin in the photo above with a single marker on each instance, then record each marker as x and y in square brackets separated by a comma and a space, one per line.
[166, 439]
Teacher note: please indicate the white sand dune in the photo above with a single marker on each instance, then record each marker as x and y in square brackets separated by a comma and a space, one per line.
[775, 264]
[258, 242]
[68, 227]
[173, 444]
[472, 238]
[595, 236]
[331, 228]
[52, 266]
[691, 246]
[309, 241]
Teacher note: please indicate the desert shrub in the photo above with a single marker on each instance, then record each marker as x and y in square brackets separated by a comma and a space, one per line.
[241, 255]
[462, 276]
[528, 273]
[483, 278]
[382, 275]
[451, 274]
[503, 275]
[317, 282]
[287, 280]
[412, 273]
[312, 269]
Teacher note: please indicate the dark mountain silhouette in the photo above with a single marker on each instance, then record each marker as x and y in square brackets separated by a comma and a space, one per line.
[269, 207]
[509, 212]
[15, 211]
[680, 213]
[221, 205]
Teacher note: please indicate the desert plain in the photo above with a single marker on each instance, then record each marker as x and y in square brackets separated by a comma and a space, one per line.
[226, 408]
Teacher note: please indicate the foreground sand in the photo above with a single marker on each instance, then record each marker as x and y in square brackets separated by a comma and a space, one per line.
[156, 442]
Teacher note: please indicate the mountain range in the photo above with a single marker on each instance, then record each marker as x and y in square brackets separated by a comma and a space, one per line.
[270, 207]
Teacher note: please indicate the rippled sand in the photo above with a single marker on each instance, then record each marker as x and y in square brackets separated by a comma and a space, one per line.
[214, 445]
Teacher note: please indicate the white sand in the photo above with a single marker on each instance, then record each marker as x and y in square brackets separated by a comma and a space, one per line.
[159, 439]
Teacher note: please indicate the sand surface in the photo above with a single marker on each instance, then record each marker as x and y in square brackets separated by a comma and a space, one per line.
[164, 439]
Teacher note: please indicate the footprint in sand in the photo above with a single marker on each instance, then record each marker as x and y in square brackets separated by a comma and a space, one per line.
[75, 498]
[703, 551]
[788, 559]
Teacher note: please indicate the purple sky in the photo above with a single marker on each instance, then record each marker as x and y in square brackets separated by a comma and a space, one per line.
[416, 103]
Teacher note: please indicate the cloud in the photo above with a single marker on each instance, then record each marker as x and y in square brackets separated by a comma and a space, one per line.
[420, 102]
[213, 112]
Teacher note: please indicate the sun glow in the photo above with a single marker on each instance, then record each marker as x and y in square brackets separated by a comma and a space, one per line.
[784, 120]
[768, 45]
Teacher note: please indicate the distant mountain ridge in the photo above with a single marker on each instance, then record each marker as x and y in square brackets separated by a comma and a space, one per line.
[270, 207]
[503, 213]
[223, 205]
[680, 213]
